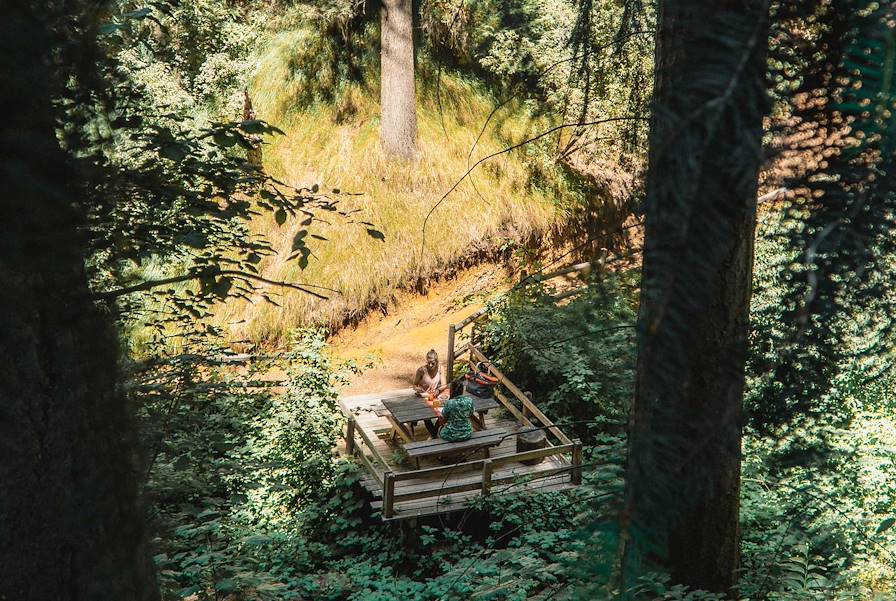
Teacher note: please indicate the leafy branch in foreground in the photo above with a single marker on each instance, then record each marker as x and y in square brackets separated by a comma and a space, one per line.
[169, 200]
[223, 280]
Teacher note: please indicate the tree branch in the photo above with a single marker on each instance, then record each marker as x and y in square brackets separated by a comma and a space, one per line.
[544, 71]
[514, 147]
[231, 273]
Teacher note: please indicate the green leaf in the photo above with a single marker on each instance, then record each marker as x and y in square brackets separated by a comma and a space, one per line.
[376, 234]
[107, 28]
[194, 240]
[227, 585]
[257, 540]
[885, 525]
[253, 126]
[173, 152]
[129, 121]
[280, 216]
[223, 139]
[242, 141]
[137, 14]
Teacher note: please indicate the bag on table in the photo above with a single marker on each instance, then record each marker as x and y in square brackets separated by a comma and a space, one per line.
[479, 383]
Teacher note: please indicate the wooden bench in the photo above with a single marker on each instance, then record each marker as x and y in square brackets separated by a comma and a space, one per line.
[483, 439]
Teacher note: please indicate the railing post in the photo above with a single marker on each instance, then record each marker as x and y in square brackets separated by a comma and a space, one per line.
[449, 369]
[350, 436]
[576, 472]
[388, 494]
[526, 413]
[487, 469]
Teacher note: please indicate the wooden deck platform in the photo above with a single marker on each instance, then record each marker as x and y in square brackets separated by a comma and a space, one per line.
[400, 491]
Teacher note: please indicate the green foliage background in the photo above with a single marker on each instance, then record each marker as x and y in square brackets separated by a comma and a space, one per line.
[245, 492]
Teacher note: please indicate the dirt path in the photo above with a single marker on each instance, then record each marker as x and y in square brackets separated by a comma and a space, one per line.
[399, 340]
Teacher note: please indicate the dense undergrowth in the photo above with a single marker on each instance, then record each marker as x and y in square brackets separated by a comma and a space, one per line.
[248, 499]
[818, 493]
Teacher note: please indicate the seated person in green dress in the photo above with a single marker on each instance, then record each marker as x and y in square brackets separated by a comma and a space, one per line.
[456, 412]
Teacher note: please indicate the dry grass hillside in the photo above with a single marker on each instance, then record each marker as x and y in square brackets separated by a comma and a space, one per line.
[511, 199]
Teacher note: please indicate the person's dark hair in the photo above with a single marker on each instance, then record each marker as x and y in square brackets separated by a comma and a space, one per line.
[456, 388]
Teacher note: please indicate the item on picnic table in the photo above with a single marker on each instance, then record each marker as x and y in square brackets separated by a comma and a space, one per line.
[435, 399]
[479, 383]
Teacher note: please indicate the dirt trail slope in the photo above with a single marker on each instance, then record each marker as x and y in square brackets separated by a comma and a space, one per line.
[399, 340]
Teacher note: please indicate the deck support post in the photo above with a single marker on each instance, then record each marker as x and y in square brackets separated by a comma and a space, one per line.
[388, 494]
[449, 368]
[576, 472]
[487, 469]
[350, 436]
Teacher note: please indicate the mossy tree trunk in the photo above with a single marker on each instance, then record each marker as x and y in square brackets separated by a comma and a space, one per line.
[683, 471]
[71, 527]
[398, 103]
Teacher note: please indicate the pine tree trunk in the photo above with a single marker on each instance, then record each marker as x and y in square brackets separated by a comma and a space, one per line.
[683, 471]
[398, 104]
[71, 527]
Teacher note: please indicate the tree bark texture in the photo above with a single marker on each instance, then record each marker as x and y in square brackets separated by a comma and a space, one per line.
[71, 527]
[683, 471]
[398, 103]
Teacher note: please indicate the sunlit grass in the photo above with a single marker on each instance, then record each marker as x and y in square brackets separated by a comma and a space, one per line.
[335, 143]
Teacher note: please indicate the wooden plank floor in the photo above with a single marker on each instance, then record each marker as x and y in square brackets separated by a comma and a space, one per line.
[379, 431]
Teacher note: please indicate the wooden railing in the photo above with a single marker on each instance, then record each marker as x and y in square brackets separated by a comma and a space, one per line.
[352, 448]
[529, 407]
[440, 487]
[488, 467]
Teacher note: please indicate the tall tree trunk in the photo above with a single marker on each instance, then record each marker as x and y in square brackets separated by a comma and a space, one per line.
[70, 524]
[683, 471]
[398, 104]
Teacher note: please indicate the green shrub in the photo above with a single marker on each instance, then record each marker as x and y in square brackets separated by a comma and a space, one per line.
[577, 359]
[234, 469]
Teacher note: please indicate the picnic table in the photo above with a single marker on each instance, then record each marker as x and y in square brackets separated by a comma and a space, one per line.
[404, 412]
